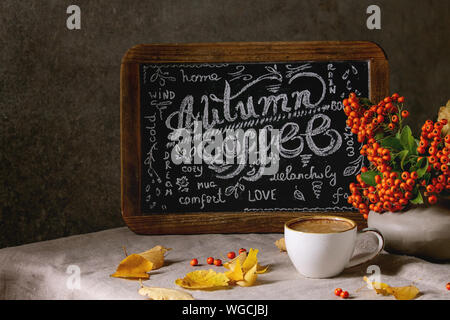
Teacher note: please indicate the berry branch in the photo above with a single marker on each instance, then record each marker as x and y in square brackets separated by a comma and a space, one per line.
[402, 168]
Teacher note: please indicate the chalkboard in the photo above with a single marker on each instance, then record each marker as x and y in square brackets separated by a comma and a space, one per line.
[229, 140]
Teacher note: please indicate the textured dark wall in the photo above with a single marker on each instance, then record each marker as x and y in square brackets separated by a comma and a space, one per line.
[59, 89]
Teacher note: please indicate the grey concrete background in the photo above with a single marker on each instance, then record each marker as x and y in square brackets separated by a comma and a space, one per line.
[59, 89]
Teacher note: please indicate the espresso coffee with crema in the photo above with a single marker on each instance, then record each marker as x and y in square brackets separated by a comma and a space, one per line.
[321, 225]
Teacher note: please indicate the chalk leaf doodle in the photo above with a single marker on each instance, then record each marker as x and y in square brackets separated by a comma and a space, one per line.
[354, 167]
[248, 136]
[183, 184]
[298, 195]
[235, 190]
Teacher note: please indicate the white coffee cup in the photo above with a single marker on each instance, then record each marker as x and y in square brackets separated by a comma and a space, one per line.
[326, 253]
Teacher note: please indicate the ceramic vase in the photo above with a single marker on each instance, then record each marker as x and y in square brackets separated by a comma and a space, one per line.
[422, 231]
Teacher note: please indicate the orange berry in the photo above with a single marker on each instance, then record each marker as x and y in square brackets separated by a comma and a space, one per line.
[410, 182]
[217, 262]
[432, 199]
[231, 255]
[194, 262]
[405, 113]
[210, 260]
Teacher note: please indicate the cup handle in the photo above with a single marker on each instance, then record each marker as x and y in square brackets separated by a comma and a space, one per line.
[354, 261]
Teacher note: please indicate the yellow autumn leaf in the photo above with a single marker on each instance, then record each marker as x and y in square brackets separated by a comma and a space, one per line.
[164, 294]
[236, 273]
[400, 293]
[137, 265]
[249, 278]
[203, 280]
[232, 263]
[405, 293]
[251, 260]
[155, 255]
[261, 269]
[281, 244]
[247, 260]
[134, 267]
[245, 273]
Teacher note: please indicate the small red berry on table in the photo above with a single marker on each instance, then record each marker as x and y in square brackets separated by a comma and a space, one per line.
[194, 262]
[210, 260]
[217, 262]
[231, 255]
[448, 286]
[242, 250]
[345, 294]
[338, 292]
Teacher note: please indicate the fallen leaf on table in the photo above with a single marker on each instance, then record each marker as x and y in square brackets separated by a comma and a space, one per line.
[249, 278]
[281, 244]
[231, 264]
[244, 269]
[247, 260]
[405, 293]
[164, 294]
[137, 265]
[203, 280]
[156, 256]
[400, 293]
[235, 273]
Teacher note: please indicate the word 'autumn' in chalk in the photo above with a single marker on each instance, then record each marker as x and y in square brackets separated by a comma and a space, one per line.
[244, 111]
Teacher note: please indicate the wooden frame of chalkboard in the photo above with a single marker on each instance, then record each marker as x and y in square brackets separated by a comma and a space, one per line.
[210, 53]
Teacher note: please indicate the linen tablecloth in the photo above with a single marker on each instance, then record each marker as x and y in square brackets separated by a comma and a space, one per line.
[50, 269]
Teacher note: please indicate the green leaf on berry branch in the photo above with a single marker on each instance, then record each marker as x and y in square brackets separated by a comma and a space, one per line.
[403, 155]
[391, 142]
[418, 199]
[369, 177]
[422, 167]
[407, 140]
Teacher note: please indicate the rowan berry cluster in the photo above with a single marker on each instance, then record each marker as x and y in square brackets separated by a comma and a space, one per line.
[366, 121]
[398, 166]
[437, 150]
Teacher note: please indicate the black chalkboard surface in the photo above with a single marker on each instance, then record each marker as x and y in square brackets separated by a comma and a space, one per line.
[318, 155]
[240, 137]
